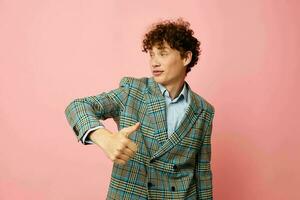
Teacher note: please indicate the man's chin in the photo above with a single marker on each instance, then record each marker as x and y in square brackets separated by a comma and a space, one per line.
[158, 80]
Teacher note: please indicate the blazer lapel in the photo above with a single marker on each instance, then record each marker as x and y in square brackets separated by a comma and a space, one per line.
[157, 110]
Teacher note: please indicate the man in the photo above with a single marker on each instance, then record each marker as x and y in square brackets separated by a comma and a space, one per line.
[162, 149]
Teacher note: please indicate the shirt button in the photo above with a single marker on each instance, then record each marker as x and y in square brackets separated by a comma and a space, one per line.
[173, 188]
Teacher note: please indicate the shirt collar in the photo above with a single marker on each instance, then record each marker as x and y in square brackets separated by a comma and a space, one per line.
[184, 92]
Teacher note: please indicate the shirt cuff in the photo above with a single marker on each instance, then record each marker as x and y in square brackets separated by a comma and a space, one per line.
[85, 140]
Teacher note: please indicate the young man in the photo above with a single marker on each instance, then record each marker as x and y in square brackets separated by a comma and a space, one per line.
[162, 149]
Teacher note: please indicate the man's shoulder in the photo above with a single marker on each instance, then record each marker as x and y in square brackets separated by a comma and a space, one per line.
[133, 82]
[205, 103]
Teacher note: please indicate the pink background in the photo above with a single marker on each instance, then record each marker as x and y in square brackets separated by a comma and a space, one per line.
[52, 52]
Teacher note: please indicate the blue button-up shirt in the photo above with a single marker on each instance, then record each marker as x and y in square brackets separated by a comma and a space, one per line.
[176, 108]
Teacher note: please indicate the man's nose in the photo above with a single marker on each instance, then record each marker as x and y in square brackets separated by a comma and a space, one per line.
[154, 62]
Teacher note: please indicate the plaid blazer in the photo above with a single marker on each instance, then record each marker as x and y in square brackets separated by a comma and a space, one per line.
[177, 167]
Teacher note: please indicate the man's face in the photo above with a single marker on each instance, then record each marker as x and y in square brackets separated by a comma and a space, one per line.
[166, 64]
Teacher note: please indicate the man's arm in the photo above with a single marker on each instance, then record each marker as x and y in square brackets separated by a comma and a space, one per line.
[203, 170]
[84, 114]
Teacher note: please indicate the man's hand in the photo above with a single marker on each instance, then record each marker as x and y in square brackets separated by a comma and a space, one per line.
[116, 146]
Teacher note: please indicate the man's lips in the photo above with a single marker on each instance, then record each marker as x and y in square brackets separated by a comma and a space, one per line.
[157, 72]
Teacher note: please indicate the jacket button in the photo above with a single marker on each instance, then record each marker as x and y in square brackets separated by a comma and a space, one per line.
[173, 188]
[150, 184]
[175, 167]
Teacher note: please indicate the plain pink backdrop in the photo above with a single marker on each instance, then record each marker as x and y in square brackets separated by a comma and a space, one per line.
[52, 52]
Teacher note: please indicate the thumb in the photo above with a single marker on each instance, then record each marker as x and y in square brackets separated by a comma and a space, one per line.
[130, 129]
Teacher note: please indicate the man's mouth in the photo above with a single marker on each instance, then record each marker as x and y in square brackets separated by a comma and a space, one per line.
[157, 72]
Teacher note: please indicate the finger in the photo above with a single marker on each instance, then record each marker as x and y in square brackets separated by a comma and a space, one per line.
[128, 152]
[130, 129]
[132, 146]
[123, 157]
[119, 161]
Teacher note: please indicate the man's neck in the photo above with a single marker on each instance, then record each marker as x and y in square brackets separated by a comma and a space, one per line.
[175, 89]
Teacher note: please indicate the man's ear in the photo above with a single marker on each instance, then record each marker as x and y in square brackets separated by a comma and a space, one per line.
[187, 58]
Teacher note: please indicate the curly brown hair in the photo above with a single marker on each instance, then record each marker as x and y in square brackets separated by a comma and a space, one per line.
[177, 34]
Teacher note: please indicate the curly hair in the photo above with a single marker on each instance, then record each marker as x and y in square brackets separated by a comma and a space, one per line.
[177, 34]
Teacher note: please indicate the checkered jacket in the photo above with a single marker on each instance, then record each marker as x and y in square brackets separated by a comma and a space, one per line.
[177, 167]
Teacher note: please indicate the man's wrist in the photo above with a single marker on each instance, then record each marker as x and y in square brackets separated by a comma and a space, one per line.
[85, 139]
[99, 136]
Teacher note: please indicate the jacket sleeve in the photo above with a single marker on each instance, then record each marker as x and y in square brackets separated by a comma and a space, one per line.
[84, 113]
[203, 172]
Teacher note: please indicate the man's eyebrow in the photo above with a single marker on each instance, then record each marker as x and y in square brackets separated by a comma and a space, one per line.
[162, 48]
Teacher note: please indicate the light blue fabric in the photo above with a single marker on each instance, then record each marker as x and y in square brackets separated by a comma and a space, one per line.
[175, 109]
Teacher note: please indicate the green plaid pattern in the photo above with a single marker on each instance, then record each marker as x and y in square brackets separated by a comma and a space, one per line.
[163, 168]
